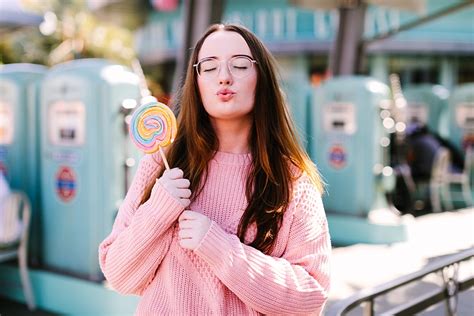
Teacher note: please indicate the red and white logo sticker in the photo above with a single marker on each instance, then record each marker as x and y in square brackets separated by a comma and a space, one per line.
[337, 156]
[66, 184]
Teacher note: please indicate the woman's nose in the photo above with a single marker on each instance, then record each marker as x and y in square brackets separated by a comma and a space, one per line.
[225, 76]
[225, 81]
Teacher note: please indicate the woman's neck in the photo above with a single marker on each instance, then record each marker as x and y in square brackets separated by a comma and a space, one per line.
[233, 136]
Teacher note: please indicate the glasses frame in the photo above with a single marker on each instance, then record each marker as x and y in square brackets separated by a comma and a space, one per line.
[196, 65]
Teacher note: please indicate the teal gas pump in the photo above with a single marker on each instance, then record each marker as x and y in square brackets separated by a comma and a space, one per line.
[19, 138]
[428, 104]
[350, 149]
[461, 116]
[86, 159]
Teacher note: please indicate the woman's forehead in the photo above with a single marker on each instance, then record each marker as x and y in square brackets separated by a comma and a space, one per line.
[223, 45]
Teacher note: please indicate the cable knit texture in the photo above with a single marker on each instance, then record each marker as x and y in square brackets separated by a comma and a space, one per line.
[223, 276]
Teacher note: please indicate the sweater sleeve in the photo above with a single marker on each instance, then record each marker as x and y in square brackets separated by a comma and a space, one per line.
[296, 283]
[141, 234]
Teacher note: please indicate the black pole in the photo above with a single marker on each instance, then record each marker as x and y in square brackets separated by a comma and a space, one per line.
[198, 15]
[347, 51]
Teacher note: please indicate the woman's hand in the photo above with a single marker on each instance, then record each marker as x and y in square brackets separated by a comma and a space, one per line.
[193, 226]
[172, 181]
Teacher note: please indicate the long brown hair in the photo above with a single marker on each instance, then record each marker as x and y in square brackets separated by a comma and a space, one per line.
[273, 144]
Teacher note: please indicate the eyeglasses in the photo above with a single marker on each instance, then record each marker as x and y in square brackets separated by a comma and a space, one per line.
[239, 66]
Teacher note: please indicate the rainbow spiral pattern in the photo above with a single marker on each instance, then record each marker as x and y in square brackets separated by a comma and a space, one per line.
[153, 125]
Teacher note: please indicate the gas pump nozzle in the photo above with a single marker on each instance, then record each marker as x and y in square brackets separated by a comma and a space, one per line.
[127, 106]
[144, 91]
[399, 108]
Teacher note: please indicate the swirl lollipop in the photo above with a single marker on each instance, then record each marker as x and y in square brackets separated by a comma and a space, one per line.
[152, 127]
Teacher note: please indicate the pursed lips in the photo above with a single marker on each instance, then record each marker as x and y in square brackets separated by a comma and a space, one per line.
[225, 94]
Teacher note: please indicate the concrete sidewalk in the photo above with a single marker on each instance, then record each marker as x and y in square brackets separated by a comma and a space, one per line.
[431, 236]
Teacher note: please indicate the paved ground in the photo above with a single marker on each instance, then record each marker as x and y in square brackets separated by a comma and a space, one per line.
[10, 308]
[432, 236]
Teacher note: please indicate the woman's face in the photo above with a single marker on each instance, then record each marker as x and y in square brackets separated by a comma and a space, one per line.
[226, 95]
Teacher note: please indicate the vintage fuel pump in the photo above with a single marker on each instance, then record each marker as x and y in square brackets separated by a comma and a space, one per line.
[19, 138]
[85, 159]
[350, 148]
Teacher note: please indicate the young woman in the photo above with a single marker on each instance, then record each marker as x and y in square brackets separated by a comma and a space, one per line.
[237, 226]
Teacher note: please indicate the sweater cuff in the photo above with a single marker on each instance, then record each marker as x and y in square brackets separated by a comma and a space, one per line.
[163, 205]
[216, 247]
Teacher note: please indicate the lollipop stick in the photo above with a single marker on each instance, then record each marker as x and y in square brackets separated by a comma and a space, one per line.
[164, 159]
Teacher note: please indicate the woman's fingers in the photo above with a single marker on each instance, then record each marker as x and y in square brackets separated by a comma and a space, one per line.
[193, 226]
[174, 173]
[182, 183]
[185, 202]
[184, 193]
[173, 182]
[184, 233]
[187, 215]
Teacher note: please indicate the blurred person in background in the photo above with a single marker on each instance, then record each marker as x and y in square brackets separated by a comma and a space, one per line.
[423, 145]
[4, 188]
[238, 226]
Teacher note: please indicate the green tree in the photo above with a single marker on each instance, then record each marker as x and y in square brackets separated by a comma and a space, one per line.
[72, 32]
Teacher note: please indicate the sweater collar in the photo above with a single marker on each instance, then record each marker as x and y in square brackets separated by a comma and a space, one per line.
[232, 159]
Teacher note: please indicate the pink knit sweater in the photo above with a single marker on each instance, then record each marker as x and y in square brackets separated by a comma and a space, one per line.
[223, 276]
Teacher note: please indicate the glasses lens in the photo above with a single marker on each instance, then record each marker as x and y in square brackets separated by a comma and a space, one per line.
[208, 68]
[240, 67]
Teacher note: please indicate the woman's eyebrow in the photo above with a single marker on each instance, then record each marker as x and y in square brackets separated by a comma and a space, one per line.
[236, 55]
[209, 57]
[242, 55]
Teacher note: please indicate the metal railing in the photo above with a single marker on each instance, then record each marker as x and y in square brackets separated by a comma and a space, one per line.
[448, 267]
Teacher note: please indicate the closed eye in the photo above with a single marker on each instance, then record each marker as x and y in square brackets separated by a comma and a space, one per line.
[209, 69]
